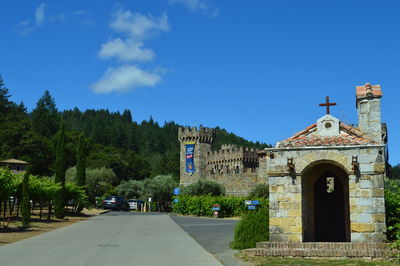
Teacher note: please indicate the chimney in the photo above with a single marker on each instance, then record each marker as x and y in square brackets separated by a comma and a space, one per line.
[368, 101]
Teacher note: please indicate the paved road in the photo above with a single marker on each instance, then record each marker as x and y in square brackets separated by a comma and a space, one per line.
[213, 234]
[117, 238]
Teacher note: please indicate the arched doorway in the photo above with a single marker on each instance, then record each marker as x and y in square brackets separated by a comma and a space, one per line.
[325, 203]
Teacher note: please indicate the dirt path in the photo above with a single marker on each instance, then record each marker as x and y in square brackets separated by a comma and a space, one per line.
[14, 233]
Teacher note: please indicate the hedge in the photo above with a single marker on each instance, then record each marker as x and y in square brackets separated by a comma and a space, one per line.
[202, 205]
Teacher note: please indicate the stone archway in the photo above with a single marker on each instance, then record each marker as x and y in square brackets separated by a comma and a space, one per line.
[325, 203]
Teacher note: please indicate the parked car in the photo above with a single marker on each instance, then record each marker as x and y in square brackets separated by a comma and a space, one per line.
[115, 203]
[135, 204]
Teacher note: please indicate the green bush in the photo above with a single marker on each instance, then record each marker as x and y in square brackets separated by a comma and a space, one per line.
[202, 205]
[131, 189]
[392, 202]
[260, 191]
[204, 187]
[251, 229]
[160, 189]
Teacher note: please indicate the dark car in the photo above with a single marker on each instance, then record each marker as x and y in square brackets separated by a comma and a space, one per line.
[115, 203]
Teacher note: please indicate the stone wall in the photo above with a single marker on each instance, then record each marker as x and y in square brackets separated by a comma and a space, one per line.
[238, 184]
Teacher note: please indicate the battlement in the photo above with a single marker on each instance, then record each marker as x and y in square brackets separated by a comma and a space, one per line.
[201, 134]
[231, 151]
[232, 159]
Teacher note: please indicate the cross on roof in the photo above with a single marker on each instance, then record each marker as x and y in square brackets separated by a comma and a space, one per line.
[327, 104]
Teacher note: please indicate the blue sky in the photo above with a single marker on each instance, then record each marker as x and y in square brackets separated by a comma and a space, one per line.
[257, 68]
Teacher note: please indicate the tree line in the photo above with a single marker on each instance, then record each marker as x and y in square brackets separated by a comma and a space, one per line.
[113, 140]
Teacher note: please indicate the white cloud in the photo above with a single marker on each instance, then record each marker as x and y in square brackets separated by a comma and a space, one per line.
[40, 15]
[138, 26]
[129, 50]
[125, 78]
[198, 5]
[27, 26]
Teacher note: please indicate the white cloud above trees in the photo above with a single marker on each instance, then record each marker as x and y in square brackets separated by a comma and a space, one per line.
[27, 26]
[125, 78]
[128, 50]
[138, 26]
[40, 14]
[41, 17]
[135, 28]
[202, 6]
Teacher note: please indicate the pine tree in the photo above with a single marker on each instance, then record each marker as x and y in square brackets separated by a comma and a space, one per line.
[60, 173]
[45, 117]
[26, 212]
[81, 162]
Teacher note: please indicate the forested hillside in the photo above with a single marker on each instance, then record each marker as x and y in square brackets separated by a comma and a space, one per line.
[132, 150]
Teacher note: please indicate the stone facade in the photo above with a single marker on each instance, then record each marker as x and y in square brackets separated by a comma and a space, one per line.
[351, 159]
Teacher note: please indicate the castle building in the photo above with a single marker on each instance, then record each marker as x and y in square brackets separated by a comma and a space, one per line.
[236, 168]
[326, 183]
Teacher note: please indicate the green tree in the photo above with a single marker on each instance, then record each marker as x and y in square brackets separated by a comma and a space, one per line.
[26, 208]
[45, 117]
[396, 171]
[204, 187]
[260, 191]
[81, 162]
[131, 189]
[99, 182]
[160, 189]
[60, 174]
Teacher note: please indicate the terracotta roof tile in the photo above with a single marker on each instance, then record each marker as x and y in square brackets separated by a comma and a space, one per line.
[349, 136]
[361, 91]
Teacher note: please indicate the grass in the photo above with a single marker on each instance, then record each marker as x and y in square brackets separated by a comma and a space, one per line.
[260, 261]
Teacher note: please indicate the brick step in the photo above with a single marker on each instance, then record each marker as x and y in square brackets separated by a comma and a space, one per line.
[320, 249]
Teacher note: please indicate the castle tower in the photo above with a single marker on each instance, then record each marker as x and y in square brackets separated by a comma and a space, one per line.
[368, 100]
[195, 144]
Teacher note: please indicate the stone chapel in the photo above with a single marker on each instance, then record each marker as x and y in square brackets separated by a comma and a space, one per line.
[326, 183]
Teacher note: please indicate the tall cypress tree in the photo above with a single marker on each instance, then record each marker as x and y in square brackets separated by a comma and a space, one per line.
[60, 173]
[81, 162]
[26, 211]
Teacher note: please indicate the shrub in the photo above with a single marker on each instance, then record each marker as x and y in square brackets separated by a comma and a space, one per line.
[160, 189]
[131, 189]
[392, 202]
[202, 205]
[251, 229]
[204, 187]
[260, 191]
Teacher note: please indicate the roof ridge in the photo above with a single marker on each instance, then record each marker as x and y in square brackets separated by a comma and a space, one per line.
[306, 130]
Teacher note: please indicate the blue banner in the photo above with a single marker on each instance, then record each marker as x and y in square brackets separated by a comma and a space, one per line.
[190, 158]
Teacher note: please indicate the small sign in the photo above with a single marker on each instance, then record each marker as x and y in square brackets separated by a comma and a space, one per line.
[216, 207]
[251, 207]
[247, 202]
[255, 202]
[176, 191]
[176, 200]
